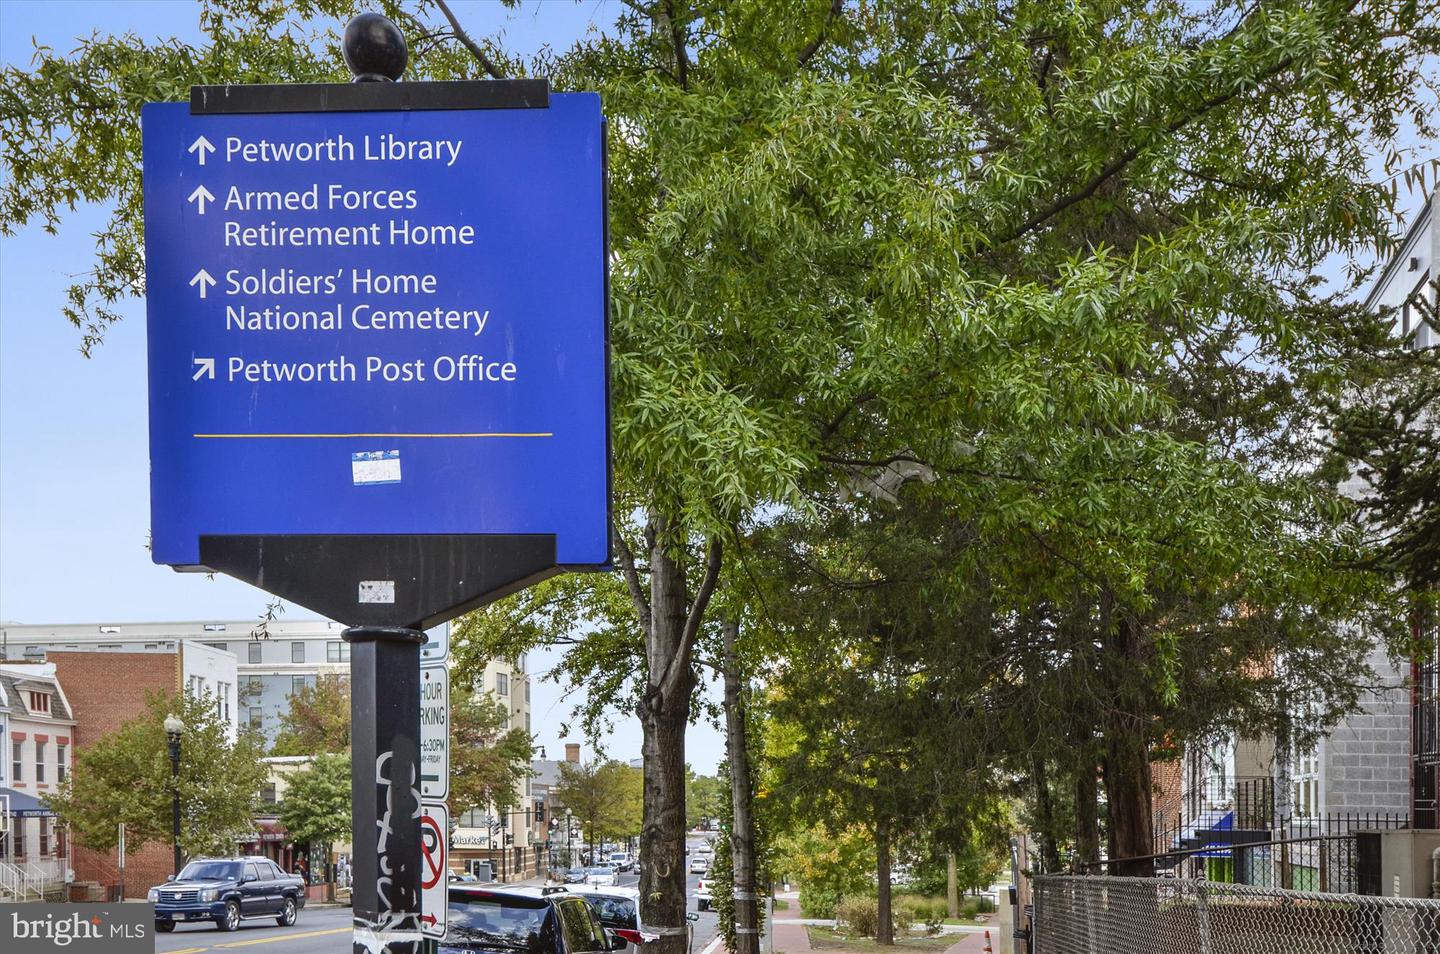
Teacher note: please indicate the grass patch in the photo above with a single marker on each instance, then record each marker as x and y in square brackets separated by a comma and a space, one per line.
[825, 939]
[781, 904]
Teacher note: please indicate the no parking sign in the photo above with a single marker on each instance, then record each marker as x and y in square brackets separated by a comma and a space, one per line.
[434, 869]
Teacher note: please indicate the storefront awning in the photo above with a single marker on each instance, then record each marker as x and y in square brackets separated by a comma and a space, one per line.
[22, 805]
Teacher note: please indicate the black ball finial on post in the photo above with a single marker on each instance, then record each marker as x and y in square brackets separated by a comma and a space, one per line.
[374, 49]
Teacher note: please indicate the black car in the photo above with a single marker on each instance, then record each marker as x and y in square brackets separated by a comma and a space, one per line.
[226, 891]
[555, 922]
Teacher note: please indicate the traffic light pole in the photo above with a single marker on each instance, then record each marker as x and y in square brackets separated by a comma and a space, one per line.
[385, 788]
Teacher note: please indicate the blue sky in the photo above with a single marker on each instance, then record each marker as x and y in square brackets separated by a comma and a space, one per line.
[74, 497]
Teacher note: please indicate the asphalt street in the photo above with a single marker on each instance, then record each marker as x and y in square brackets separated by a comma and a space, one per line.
[319, 931]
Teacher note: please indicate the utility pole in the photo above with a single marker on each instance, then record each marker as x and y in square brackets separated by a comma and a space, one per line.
[742, 831]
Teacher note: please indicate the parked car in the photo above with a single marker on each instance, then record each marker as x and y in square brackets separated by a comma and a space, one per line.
[702, 895]
[574, 876]
[228, 891]
[622, 860]
[601, 874]
[618, 910]
[700, 864]
[503, 921]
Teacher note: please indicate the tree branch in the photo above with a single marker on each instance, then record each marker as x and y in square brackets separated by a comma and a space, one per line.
[632, 579]
[485, 62]
[1115, 165]
[814, 45]
[696, 614]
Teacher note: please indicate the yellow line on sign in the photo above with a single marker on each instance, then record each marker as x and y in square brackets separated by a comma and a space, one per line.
[486, 434]
[284, 937]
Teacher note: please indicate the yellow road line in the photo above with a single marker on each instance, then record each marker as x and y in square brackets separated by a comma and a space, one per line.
[191, 950]
[282, 436]
[284, 937]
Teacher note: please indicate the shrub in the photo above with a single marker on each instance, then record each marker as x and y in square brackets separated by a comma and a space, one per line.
[857, 915]
[818, 900]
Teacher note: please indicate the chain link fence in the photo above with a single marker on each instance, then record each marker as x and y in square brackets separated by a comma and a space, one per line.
[1092, 914]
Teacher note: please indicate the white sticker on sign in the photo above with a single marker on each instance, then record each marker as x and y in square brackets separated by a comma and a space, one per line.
[377, 591]
[375, 467]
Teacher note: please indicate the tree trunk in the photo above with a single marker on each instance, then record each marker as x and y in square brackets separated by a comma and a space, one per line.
[1127, 761]
[1087, 821]
[670, 620]
[952, 889]
[742, 833]
[1049, 851]
[884, 926]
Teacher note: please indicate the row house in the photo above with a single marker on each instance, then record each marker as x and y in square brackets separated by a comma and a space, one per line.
[38, 729]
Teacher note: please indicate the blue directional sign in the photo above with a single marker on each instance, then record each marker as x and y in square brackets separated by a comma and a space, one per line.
[377, 323]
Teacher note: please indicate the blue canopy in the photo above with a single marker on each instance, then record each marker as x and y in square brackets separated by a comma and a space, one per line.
[24, 805]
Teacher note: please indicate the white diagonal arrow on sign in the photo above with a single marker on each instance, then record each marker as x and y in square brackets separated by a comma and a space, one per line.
[204, 279]
[203, 146]
[207, 368]
[201, 195]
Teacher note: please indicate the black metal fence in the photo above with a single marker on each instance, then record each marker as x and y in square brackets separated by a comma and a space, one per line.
[1301, 854]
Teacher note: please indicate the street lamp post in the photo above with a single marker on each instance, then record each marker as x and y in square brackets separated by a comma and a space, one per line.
[569, 832]
[173, 728]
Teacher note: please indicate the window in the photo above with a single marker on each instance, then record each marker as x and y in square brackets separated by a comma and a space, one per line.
[1305, 784]
[527, 689]
[39, 702]
[254, 656]
[17, 833]
[273, 870]
[109, 647]
[39, 763]
[297, 652]
[527, 722]
[197, 687]
[223, 647]
[502, 684]
[17, 761]
[257, 718]
[268, 794]
[152, 645]
[214, 627]
[337, 651]
[222, 700]
[34, 652]
[44, 837]
[60, 763]
[297, 683]
[251, 872]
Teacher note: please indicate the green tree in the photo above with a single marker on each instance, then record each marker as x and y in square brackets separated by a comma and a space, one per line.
[488, 761]
[705, 798]
[316, 806]
[125, 777]
[316, 719]
[604, 798]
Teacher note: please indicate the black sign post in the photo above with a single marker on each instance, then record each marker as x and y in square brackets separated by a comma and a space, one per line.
[385, 787]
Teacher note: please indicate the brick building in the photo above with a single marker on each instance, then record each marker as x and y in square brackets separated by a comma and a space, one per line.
[93, 682]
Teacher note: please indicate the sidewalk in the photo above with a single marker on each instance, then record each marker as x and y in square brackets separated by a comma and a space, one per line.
[974, 942]
[790, 934]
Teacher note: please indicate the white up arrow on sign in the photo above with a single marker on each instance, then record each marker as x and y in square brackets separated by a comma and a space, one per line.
[204, 279]
[207, 368]
[201, 195]
[203, 146]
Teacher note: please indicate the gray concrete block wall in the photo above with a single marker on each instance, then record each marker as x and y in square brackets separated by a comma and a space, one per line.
[1366, 758]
